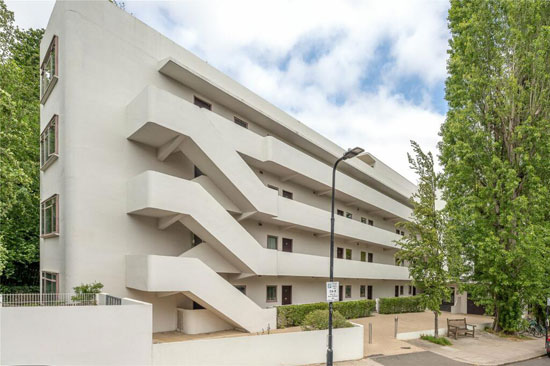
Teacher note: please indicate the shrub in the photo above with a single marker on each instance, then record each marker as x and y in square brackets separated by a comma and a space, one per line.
[293, 315]
[442, 341]
[355, 309]
[396, 305]
[83, 289]
[318, 319]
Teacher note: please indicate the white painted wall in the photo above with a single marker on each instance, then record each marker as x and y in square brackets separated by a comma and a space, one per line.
[197, 321]
[76, 335]
[298, 348]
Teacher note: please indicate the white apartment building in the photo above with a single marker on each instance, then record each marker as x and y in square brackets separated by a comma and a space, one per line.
[171, 183]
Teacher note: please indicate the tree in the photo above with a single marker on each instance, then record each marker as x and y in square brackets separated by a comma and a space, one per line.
[495, 151]
[19, 152]
[429, 255]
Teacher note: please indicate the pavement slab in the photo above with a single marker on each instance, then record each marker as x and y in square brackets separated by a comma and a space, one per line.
[486, 349]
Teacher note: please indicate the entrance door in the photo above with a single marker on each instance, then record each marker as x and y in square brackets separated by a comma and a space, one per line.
[340, 293]
[287, 295]
[287, 245]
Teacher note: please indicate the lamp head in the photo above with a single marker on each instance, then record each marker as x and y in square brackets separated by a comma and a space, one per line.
[353, 152]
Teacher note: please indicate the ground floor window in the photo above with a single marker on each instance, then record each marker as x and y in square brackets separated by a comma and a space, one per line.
[400, 290]
[50, 282]
[369, 292]
[348, 291]
[272, 242]
[271, 293]
[362, 291]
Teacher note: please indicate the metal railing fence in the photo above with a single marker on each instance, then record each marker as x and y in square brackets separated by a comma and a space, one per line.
[37, 299]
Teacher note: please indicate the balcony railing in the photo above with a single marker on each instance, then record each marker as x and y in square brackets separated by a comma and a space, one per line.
[63, 299]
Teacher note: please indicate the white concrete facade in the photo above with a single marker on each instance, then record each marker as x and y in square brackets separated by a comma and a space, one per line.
[129, 200]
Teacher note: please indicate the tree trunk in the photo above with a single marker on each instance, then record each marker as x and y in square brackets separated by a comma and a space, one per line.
[436, 330]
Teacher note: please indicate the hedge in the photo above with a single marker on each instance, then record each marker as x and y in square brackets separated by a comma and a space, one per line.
[396, 305]
[19, 289]
[294, 315]
[318, 320]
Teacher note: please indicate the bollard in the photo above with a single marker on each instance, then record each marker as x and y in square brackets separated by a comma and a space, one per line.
[395, 328]
[370, 333]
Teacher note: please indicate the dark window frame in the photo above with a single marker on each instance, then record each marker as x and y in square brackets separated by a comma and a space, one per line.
[276, 242]
[350, 252]
[362, 291]
[48, 157]
[339, 212]
[371, 222]
[346, 294]
[55, 223]
[240, 122]
[267, 287]
[287, 194]
[201, 103]
[55, 280]
[45, 91]
[370, 257]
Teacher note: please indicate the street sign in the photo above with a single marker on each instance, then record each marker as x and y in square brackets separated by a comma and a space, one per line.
[332, 291]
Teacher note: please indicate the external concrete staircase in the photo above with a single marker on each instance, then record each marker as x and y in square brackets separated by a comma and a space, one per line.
[170, 124]
[176, 274]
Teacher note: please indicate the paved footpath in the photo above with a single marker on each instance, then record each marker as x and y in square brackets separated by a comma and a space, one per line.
[432, 359]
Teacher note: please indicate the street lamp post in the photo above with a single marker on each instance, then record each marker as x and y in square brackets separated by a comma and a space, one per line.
[347, 155]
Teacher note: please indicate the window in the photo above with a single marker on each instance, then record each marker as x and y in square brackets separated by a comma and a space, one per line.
[287, 194]
[202, 104]
[396, 291]
[240, 122]
[340, 253]
[49, 212]
[410, 290]
[272, 242]
[371, 223]
[397, 231]
[363, 256]
[273, 187]
[371, 257]
[348, 253]
[197, 172]
[402, 233]
[241, 288]
[50, 283]
[340, 212]
[195, 240]
[414, 290]
[349, 215]
[362, 291]
[400, 290]
[49, 71]
[271, 293]
[287, 245]
[363, 220]
[48, 143]
[348, 291]
[369, 292]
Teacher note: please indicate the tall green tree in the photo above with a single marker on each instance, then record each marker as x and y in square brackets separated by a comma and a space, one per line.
[19, 151]
[425, 248]
[495, 151]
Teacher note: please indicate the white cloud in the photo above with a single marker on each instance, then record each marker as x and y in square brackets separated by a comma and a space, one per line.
[265, 46]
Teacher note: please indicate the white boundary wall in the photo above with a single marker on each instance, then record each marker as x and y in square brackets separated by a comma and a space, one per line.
[77, 335]
[297, 348]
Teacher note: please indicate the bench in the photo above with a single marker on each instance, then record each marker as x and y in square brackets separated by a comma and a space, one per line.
[458, 327]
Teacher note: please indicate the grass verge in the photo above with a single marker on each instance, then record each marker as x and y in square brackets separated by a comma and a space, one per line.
[442, 341]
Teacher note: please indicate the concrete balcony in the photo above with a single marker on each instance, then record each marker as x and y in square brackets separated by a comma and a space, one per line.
[172, 199]
[169, 123]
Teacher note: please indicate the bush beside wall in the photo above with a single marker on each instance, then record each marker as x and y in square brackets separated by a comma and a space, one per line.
[294, 315]
[318, 320]
[396, 305]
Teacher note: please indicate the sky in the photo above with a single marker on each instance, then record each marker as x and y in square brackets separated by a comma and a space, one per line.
[361, 73]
